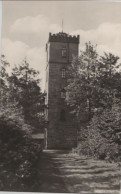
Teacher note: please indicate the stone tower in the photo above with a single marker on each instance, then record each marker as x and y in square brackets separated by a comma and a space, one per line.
[61, 131]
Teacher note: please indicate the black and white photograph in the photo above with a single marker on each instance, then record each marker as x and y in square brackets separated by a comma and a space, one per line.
[60, 96]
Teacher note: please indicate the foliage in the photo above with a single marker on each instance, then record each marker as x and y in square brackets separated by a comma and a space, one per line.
[82, 81]
[4, 89]
[102, 137]
[23, 92]
[21, 104]
[3, 73]
[18, 156]
[109, 123]
[94, 93]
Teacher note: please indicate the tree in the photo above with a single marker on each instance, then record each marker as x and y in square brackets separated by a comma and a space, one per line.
[27, 93]
[20, 96]
[3, 80]
[94, 93]
[109, 78]
[5, 97]
[93, 81]
[82, 81]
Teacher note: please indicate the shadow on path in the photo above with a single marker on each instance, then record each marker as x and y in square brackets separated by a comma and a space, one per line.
[60, 172]
[48, 177]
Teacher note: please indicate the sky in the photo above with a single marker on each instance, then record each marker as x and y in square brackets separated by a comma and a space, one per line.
[26, 26]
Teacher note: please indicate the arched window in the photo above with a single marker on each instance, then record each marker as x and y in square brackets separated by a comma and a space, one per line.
[62, 115]
[63, 73]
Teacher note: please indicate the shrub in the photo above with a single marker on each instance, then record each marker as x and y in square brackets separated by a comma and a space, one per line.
[18, 156]
[101, 140]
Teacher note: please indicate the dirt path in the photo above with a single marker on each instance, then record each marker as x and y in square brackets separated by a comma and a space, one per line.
[59, 172]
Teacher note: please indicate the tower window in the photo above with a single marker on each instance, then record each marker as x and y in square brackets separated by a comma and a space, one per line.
[64, 53]
[62, 115]
[63, 73]
[63, 93]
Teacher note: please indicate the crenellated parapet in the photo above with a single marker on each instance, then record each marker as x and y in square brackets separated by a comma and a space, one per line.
[63, 37]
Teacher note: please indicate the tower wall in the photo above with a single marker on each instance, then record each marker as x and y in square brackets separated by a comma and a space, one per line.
[60, 134]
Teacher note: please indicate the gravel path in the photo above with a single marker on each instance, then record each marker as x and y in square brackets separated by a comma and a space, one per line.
[60, 172]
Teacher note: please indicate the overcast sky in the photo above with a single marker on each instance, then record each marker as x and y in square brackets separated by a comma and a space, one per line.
[26, 25]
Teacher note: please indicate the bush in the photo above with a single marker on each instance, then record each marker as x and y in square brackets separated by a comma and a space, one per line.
[104, 151]
[100, 140]
[18, 157]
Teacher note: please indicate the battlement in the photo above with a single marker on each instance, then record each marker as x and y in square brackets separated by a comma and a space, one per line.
[63, 37]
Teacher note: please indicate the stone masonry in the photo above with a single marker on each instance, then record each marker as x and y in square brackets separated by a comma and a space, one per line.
[61, 132]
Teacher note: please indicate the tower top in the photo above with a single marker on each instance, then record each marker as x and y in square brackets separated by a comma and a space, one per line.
[63, 37]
